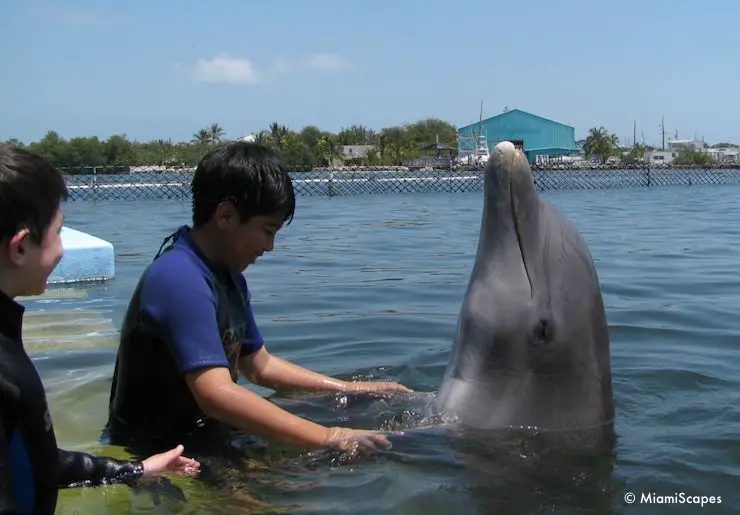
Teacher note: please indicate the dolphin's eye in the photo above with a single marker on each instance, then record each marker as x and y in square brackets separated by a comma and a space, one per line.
[542, 333]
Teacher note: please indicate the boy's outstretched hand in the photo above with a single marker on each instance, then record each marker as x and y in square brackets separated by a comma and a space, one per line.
[171, 461]
[373, 386]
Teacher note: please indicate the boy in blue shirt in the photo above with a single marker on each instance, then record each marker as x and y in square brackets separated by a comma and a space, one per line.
[190, 329]
[32, 467]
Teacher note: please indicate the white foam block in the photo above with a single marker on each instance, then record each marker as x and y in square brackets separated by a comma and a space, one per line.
[86, 258]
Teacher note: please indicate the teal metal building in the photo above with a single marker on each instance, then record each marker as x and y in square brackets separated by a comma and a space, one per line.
[535, 135]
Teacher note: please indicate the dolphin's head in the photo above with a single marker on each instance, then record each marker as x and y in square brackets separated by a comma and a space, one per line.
[532, 347]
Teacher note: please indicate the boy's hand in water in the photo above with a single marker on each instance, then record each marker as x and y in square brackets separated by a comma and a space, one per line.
[171, 461]
[346, 439]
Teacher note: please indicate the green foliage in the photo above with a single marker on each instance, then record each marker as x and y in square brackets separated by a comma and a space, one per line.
[303, 150]
[601, 144]
[636, 155]
[692, 156]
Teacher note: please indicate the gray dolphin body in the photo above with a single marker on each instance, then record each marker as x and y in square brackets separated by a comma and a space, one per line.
[532, 346]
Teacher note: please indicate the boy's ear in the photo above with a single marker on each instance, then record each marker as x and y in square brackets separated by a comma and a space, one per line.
[225, 214]
[17, 246]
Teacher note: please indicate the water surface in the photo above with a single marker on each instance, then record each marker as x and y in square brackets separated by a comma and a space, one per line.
[370, 287]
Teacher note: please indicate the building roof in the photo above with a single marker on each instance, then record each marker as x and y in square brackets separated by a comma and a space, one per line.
[508, 112]
[683, 141]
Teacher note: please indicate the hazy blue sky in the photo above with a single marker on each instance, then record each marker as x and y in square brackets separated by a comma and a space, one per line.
[164, 69]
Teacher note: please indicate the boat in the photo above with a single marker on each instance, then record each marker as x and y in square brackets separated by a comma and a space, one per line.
[480, 155]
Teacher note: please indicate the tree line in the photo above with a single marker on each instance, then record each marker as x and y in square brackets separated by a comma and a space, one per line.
[302, 150]
[306, 149]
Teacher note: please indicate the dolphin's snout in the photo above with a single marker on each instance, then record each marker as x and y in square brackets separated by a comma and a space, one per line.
[504, 147]
[506, 155]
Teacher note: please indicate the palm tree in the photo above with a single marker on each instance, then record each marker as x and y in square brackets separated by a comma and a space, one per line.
[216, 132]
[278, 134]
[328, 148]
[202, 137]
[601, 144]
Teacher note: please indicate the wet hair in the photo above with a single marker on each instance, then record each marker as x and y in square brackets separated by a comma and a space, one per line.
[250, 175]
[31, 192]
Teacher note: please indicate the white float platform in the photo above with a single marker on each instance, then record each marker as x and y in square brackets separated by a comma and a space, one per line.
[86, 258]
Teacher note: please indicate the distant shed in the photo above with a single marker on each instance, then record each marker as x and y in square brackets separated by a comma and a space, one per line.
[536, 135]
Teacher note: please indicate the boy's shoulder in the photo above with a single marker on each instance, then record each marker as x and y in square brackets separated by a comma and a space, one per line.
[177, 266]
[181, 269]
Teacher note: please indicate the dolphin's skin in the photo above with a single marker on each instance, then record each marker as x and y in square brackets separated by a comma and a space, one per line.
[532, 346]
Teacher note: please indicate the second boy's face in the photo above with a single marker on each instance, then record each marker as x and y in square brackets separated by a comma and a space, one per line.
[36, 262]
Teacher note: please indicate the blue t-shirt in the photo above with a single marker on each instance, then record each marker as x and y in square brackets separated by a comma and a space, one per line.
[186, 314]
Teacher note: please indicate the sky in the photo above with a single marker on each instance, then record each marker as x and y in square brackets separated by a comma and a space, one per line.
[166, 69]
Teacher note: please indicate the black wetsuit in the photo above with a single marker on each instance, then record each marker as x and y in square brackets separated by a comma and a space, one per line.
[32, 467]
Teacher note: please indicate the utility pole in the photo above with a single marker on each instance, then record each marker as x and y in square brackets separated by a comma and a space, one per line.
[634, 134]
[662, 131]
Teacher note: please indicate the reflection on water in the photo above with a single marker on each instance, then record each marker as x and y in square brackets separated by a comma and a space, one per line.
[68, 330]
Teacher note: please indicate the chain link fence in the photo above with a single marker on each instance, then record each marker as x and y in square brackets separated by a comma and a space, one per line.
[156, 184]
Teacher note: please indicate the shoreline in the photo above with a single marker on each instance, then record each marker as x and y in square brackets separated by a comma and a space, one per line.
[155, 170]
[534, 167]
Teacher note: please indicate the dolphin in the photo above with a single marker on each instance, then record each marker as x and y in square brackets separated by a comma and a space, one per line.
[531, 348]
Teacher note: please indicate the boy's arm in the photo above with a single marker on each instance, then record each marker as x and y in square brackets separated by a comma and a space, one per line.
[222, 399]
[264, 369]
[82, 469]
[269, 371]
[75, 468]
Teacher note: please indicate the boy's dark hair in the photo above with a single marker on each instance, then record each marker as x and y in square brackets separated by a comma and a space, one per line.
[31, 191]
[248, 174]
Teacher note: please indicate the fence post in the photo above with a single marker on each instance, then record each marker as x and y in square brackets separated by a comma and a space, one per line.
[649, 179]
[95, 183]
[330, 188]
